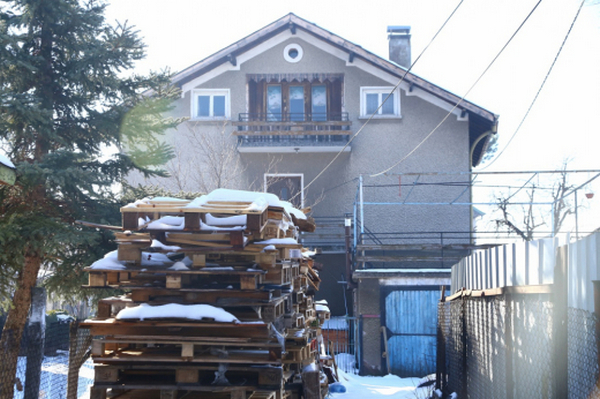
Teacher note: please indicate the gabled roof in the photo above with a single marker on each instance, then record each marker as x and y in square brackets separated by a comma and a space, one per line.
[480, 119]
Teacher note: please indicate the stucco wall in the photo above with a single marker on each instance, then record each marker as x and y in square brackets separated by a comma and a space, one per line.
[380, 144]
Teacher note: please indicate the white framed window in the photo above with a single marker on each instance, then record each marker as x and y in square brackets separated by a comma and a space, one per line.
[211, 104]
[372, 97]
[287, 186]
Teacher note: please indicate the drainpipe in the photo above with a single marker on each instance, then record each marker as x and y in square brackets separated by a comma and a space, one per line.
[347, 227]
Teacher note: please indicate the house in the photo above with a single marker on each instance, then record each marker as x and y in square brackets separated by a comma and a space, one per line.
[298, 111]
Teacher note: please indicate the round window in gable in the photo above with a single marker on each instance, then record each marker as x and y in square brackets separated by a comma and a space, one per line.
[292, 53]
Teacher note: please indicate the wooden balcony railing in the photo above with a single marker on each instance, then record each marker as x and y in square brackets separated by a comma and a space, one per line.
[292, 124]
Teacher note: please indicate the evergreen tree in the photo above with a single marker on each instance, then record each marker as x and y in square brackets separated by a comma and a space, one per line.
[66, 96]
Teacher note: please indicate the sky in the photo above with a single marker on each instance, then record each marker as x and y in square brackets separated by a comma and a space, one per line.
[561, 125]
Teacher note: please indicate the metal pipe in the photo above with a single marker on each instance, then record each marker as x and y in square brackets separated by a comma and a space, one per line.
[454, 203]
[493, 173]
[576, 219]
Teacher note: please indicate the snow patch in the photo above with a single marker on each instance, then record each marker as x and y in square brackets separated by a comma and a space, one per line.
[179, 266]
[109, 262]
[174, 310]
[278, 241]
[6, 162]
[160, 245]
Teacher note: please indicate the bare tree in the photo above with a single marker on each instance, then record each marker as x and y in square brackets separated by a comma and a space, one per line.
[563, 206]
[216, 164]
[525, 219]
[530, 219]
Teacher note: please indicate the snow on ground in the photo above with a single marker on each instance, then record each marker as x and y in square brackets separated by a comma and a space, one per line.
[53, 381]
[386, 387]
[53, 384]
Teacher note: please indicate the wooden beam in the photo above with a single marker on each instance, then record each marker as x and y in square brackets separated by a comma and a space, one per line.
[231, 58]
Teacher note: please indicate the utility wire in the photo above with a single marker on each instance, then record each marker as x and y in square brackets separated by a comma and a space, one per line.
[463, 97]
[383, 102]
[541, 87]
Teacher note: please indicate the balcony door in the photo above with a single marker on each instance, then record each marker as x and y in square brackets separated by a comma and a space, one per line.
[319, 103]
[296, 100]
[274, 103]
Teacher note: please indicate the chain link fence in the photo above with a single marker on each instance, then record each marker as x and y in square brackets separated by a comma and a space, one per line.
[43, 365]
[504, 347]
[583, 355]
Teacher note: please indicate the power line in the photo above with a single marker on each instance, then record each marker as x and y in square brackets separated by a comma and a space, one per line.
[463, 97]
[541, 87]
[383, 102]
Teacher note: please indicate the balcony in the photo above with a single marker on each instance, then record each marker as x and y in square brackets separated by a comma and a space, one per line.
[292, 131]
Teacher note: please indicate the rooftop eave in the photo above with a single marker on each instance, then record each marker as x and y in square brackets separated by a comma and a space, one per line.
[293, 22]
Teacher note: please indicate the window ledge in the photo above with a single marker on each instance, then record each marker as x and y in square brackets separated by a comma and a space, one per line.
[210, 119]
[380, 117]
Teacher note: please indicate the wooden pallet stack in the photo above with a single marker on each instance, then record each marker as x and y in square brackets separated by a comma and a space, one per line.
[218, 302]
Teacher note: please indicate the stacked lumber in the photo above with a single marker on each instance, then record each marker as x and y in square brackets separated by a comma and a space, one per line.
[218, 302]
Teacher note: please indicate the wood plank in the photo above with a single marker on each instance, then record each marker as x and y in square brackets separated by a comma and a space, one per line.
[191, 328]
[143, 356]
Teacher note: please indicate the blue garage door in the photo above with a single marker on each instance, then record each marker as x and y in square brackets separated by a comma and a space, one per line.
[411, 321]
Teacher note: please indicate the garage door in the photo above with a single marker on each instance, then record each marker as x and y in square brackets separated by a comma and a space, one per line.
[411, 321]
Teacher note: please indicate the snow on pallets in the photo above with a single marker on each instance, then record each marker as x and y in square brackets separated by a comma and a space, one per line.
[243, 308]
[209, 215]
[240, 257]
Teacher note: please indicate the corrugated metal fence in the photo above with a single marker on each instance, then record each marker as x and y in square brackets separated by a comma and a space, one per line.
[523, 323]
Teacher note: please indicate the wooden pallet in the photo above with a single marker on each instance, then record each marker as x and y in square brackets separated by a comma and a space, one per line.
[141, 391]
[243, 309]
[173, 279]
[256, 216]
[271, 377]
[299, 354]
[323, 316]
[183, 328]
[281, 274]
[295, 320]
[300, 283]
[217, 297]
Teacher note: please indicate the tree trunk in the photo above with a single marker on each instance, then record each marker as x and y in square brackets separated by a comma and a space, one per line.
[16, 319]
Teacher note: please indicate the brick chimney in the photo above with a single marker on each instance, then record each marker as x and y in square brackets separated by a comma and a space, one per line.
[399, 39]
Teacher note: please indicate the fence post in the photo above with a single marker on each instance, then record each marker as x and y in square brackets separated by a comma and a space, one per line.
[79, 352]
[440, 373]
[560, 320]
[463, 389]
[36, 332]
[597, 314]
[510, 389]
